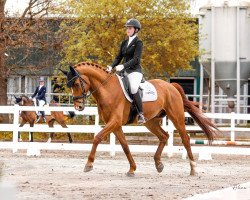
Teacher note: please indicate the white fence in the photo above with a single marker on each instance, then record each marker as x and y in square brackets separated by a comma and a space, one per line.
[112, 147]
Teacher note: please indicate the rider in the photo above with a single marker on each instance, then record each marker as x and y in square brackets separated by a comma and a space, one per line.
[130, 52]
[39, 97]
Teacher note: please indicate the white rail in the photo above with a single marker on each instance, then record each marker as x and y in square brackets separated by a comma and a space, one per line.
[112, 147]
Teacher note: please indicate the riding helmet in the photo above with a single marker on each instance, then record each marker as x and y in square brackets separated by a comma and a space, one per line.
[133, 22]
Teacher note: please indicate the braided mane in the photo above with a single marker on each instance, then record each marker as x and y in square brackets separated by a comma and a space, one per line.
[90, 64]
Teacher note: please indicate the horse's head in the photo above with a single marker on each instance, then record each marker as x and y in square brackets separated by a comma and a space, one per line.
[79, 85]
[18, 100]
[23, 101]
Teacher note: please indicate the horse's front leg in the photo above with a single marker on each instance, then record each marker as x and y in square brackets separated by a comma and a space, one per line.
[19, 134]
[51, 125]
[120, 135]
[110, 126]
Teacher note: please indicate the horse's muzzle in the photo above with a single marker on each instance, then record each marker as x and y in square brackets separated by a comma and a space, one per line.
[80, 107]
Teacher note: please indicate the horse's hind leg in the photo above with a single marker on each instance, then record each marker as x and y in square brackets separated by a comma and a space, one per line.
[153, 125]
[70, 138]
[31, 133]
[179, 122]
[63, 124]
[120, 135]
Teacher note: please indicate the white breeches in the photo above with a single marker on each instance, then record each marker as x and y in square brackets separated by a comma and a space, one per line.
[134, 79]
[41, 102]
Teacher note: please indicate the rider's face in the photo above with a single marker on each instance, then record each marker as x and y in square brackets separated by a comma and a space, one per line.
[41, 82]
[130, 31]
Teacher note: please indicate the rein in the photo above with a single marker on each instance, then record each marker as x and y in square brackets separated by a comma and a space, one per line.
[102, 84]
[82, 81]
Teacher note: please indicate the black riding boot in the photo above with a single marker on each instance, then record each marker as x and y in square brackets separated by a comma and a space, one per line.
[43, 116]
[138, 103]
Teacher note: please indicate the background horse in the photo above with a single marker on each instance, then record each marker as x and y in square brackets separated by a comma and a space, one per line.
[30, 117]
[114, 109]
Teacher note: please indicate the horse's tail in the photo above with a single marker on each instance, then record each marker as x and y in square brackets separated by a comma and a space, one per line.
[72, 114]
[206, 125]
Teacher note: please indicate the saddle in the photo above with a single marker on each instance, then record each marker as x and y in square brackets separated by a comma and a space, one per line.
[127, 86]
[146, 90]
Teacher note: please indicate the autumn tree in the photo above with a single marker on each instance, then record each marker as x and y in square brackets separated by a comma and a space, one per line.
[168, 32]
[21, 36]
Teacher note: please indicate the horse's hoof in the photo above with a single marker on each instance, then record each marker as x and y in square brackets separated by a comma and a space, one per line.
[160, 167]
[130, 174]
[193, 173]
[88, 168]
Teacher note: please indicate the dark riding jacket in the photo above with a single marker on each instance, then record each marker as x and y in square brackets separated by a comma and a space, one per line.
[40, 93]
[131, 55]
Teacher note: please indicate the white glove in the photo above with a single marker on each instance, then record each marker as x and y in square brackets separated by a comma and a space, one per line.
[109, 68]
[30, 97]
[119, 68]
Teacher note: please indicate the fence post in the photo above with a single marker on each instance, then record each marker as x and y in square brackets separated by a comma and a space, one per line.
[29, 136]
[171, 138]
[112, 144]
[232, 126]
[15, 129]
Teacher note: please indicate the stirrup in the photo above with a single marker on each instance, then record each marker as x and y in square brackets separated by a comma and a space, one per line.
[141, 119]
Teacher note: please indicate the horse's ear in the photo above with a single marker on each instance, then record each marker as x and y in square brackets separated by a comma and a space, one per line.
[64, 72]
[72, 70]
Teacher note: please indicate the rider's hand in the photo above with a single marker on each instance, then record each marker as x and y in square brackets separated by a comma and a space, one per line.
[119, 67]
[109, 69]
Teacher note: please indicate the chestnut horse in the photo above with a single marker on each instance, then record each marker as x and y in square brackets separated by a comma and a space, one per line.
[114, 110]
[30, 117]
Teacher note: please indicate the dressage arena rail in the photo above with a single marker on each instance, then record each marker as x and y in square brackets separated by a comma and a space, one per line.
[113, 147]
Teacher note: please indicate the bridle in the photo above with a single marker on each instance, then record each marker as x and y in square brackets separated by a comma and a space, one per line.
[82, 82]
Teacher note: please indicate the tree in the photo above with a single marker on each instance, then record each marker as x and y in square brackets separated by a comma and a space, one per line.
[3, 70]
[168, 32]
[20, 36]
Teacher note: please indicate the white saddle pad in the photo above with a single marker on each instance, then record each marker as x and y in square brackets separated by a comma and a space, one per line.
[149, 91]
